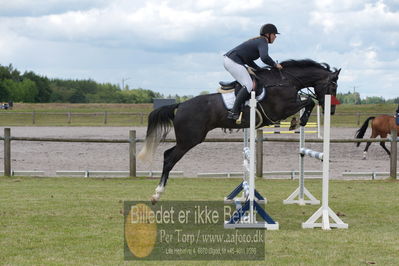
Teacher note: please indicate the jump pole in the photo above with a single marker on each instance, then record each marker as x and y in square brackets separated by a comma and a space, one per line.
[325, 212]
[298, 196]
[318, 122]
[245, 215]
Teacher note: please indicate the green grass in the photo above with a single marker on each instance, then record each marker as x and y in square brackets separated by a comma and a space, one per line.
[347, 115]
[351, 115]
[61, 221]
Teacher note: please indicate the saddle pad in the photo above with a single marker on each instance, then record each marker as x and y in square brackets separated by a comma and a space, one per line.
[229, 98]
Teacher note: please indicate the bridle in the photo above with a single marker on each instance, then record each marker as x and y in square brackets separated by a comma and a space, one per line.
[327, 90]
[309, 93]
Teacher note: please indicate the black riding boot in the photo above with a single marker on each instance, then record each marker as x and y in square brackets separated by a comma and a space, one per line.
[242, 96]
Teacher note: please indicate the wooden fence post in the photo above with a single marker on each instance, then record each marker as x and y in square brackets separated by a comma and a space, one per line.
[259, 153]
[132, 153]
[394, 153]
[7, 152]
[141, 118]
[105, 117]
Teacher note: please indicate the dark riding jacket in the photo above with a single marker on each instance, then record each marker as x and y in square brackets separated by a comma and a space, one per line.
[249, 51]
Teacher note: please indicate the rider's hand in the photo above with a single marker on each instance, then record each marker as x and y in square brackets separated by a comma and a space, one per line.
[278, 66]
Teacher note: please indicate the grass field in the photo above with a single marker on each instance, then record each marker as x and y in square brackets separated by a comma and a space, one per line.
[60, 221]
[57, 114]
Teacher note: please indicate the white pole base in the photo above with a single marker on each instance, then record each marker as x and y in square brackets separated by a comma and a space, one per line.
[262, 225]
[311, 199]
[243, 199]
[325, 214]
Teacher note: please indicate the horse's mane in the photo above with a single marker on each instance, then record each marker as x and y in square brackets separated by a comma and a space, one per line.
[266, 74]
[305, 63]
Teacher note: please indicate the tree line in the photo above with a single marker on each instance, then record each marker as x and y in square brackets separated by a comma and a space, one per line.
[32, 88]
[354, 98]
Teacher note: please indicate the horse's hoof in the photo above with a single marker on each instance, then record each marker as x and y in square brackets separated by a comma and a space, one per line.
[294, 124]
[364, 158]
[154, 200]
[293, 127]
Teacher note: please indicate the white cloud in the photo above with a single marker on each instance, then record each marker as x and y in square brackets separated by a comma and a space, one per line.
[165, 23]
[23, 8]
[148, 24]
[338, 5]
[181, 42]
[371, 17]
[365, 36]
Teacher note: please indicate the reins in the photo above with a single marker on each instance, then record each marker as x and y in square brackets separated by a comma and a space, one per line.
[309, 92]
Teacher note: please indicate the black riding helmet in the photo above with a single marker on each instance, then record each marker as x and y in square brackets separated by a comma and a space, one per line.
[268, 28]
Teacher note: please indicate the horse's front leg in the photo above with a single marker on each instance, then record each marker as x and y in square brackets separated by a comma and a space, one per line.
[309, 105]
[288, 105]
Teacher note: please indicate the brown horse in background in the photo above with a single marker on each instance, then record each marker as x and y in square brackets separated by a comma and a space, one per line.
[380, 126]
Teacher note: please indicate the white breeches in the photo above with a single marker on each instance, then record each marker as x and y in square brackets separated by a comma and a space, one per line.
[239, 72]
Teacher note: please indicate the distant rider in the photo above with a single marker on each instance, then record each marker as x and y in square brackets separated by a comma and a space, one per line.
[245, 54]
[397, 116]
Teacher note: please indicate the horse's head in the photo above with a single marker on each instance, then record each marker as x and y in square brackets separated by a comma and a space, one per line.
[328, 85]
[305, 73]
[308, 73]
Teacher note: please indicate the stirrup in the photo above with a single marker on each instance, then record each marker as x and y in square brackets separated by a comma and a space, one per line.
[233, 116]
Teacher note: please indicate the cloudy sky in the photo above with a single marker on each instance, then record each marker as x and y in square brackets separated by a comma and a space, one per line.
[176, 47]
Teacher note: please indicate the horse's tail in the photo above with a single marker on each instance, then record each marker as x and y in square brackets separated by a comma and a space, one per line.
[362, 130]
[159, 124]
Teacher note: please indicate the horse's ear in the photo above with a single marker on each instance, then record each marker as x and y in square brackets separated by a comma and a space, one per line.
[335, 74]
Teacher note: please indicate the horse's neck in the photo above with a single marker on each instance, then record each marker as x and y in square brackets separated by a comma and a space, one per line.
[302, 78]
[299, 77]
[295, 76]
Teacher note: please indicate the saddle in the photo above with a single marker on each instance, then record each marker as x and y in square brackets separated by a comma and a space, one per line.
[226, 87]
[229, 86]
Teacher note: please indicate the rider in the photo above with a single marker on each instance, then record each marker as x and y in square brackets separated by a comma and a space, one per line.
[397, 116]
[245, 54]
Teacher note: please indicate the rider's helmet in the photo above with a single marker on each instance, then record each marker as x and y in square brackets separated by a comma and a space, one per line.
[268, 28]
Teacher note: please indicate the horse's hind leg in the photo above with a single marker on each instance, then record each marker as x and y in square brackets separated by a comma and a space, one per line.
[165, 174]
[365, 150]
[373, 136]
[171, 157]
[190, 130]
[382, 143]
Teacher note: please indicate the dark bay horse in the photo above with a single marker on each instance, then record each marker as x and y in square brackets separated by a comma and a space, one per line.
[193, 119]
[380, 126]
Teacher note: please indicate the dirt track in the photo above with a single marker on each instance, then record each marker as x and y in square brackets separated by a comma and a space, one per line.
[206, 157]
